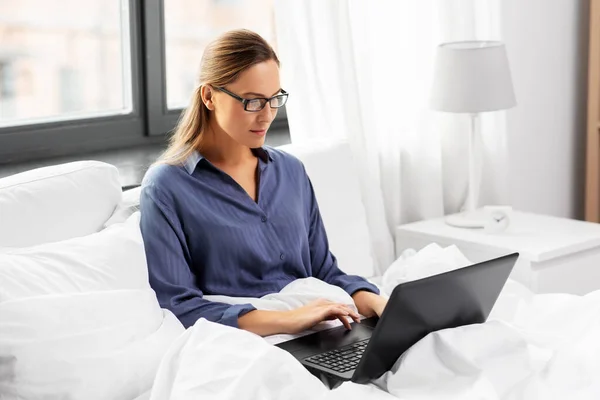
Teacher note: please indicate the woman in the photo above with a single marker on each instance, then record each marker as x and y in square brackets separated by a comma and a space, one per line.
[224, 215]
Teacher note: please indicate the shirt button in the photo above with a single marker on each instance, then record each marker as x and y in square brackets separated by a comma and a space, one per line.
[263, 219]
[281, 256]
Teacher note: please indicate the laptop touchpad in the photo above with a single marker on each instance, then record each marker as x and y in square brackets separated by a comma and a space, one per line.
[334, 338]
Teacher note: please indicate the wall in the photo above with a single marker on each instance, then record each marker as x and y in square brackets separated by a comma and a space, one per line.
[547, 48]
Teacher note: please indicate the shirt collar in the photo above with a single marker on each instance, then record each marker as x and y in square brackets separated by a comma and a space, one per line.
[195, 157]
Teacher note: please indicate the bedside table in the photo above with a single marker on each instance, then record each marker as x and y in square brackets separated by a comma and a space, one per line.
[556, 254]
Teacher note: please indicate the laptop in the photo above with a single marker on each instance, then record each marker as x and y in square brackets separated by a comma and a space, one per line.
[459, 297]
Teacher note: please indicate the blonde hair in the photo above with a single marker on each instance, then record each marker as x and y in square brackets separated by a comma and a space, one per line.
[222, 62]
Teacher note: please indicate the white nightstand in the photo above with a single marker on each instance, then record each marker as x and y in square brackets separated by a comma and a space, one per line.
[557, 254]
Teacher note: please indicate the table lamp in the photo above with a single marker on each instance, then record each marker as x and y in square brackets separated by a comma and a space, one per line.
[471, 77]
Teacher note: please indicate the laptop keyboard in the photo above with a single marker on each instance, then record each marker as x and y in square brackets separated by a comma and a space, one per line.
[341, 360]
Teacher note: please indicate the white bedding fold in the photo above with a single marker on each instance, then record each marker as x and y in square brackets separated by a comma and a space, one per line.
[297, 294]
[532, 347]
[213, 361]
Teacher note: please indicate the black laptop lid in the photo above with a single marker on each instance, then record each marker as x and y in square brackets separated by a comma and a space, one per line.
[460, 297]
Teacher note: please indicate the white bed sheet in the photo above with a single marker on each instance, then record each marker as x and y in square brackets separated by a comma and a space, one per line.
[533, 346]
[144, 396]
[548, 350]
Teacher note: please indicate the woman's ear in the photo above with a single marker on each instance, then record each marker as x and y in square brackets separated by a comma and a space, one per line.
[206, 92]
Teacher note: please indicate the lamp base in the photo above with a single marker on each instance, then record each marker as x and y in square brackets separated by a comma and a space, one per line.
[467, 219]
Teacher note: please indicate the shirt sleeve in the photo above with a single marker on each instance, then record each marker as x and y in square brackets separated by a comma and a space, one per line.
[169, 270]
[324, 263]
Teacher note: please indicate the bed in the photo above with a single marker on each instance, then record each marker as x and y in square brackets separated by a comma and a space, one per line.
[78, 319]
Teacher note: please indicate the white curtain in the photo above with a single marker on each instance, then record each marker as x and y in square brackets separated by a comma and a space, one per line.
[361, 71]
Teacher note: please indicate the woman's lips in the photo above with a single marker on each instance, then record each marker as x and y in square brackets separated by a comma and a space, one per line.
[259, 132]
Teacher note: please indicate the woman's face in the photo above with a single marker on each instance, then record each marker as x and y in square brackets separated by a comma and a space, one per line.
[248, 128]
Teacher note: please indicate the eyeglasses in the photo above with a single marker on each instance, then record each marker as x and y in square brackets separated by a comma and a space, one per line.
[257, 104]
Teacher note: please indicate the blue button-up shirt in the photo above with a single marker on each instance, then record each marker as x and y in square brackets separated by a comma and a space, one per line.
[204, 234]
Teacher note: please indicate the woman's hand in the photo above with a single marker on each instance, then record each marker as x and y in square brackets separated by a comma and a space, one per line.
[266, 323]
[303, 318]
[369, 304]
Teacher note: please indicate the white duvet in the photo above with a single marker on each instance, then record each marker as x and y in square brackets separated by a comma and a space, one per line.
[532, 347]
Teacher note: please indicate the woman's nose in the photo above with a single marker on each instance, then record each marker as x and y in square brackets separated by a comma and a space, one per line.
[267, 113]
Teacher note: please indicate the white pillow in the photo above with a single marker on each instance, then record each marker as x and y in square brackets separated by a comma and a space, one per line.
[130, 203]
[56, 203]
[112, 259]
[332, 172]
[79, 319]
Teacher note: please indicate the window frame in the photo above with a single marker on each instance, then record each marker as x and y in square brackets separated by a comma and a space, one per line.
[149, 122]
[57, 138]
[161, 119]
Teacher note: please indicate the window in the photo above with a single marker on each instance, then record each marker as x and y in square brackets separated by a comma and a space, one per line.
[7, 91]
[99, 74]
[71, 95]
[7, 81]
[75, 55]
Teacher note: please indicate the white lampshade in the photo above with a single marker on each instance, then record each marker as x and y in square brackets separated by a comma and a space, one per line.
[472, 77]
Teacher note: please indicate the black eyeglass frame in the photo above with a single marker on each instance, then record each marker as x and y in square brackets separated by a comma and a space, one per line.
[245, 102]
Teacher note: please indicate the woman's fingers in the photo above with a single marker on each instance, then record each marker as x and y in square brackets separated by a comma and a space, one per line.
[346, 309]
[355, 318]
[342, 313]
[345, 322]
[351, 313]
[331, 311]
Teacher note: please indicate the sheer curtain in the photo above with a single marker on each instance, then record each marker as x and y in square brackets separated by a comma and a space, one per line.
[361, 71]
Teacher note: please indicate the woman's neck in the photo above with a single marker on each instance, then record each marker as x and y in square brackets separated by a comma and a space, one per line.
[219, 148]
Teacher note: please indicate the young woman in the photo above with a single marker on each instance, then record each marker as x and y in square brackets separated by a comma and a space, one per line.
[222, 214]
